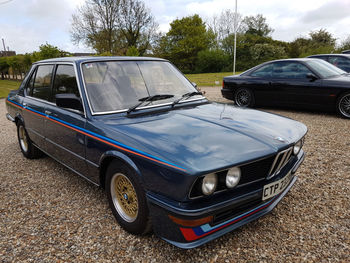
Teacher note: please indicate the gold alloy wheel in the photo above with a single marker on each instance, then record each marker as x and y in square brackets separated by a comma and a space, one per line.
[124, 197]
[23, 140]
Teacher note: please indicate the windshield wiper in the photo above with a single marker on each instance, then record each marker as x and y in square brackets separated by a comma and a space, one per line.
[149, 99]
[186, 96]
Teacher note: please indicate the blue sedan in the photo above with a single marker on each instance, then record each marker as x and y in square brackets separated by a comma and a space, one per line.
[168, 159]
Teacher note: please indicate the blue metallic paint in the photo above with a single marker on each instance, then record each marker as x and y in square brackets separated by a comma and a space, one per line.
[169, 148]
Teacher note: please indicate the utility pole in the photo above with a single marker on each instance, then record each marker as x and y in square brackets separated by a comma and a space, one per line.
[3, 43]
[234, 46]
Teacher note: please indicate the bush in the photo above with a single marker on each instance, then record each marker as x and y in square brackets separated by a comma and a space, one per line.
[211, 61]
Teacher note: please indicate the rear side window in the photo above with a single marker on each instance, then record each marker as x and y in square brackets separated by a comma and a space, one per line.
[41, 88]
[340, 62]
[65, 81]
[263, 72]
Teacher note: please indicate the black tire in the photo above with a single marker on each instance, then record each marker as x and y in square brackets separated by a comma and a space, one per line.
[343, 105]
[244, 97]
[27, 147]
[122, 186]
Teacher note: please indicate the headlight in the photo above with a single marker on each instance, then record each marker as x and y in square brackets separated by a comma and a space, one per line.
[209, 184]
[233, 176]
[297, 147]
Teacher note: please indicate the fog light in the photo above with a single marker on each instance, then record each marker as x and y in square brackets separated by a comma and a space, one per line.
[209, 184]
[297, 147]
[233, 176]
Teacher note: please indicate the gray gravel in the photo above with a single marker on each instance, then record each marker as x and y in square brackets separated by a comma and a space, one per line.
[49, 214]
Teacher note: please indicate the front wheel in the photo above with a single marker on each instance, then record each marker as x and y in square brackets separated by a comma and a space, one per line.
[343, 105]
[127, 198]
[244, 98]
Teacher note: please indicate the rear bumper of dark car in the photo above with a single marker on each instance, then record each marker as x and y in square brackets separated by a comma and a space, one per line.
[227, 93]
[226, 216]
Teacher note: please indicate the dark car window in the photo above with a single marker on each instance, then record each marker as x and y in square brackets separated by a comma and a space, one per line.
[263, 72]
[65, 81]
[29, 88]
[290, 70]
[42, 82]
[340, 62]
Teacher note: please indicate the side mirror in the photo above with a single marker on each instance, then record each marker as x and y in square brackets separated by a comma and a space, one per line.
[69, 101]
[311, 76]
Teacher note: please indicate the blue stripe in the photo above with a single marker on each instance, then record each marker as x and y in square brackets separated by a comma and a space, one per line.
[97, 135]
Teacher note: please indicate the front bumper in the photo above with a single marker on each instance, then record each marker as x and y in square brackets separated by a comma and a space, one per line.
[239, 211]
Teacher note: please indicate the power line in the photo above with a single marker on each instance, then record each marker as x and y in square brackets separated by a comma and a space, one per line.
[5, 2]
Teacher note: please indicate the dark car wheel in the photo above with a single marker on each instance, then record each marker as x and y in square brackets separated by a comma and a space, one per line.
[127, 198]
[343, 105]
[28, 149]
[244, 98]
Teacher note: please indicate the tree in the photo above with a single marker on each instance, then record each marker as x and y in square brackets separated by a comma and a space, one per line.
[211, 61]
[264, 52]
[224, 25]
[186, 37]
[4, 67]
[322, 38]
[114, 25]
[256, 25]
[345, 44]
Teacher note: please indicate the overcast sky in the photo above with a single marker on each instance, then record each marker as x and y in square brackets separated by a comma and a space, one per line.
[26, 24]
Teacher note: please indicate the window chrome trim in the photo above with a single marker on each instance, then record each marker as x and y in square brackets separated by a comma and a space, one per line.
[56, 64]
[124, 110]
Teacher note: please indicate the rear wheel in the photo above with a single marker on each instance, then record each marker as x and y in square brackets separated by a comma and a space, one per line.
[343, 105]
[244, 98]
[28, 149]
[127, 198]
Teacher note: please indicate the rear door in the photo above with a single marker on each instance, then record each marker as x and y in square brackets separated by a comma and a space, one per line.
[64, 139]
[37, 93]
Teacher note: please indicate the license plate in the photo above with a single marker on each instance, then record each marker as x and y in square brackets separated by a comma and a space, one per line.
[277, 187]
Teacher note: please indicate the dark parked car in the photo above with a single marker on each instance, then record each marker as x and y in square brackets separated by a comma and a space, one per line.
[304, 83]
[341, 61]
[346, 52]
[167, 158]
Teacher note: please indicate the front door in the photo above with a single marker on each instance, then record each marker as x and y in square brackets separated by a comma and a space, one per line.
[64, 139]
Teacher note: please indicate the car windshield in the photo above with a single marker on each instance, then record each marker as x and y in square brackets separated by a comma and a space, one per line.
[119, 85]
[325, 69]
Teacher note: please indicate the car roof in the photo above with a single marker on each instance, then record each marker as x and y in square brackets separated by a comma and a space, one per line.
[97, 58]
[331, 55]
[290, 59]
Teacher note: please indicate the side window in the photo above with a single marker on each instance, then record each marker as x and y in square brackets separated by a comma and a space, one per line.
[340, 62]
[29, 87]
[42, 82]
[264, 71]
[290, 70]
[65, 81]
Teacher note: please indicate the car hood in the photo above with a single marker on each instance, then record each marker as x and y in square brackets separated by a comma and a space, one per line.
[207, 137]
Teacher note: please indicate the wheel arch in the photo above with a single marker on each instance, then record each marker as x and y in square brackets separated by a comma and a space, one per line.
[110, 156]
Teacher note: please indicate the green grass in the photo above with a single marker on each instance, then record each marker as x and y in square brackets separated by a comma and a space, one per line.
[6, 86]
[208, 79]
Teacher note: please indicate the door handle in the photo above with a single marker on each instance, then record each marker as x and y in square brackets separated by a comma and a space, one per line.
[47, 112]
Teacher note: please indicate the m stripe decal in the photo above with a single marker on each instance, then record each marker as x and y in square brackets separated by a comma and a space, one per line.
[99, 137]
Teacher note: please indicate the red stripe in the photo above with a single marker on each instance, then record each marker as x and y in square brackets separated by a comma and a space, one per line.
[189, 234]
[96, 138]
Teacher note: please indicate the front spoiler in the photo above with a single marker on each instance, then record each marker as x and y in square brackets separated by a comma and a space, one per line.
[191, 237]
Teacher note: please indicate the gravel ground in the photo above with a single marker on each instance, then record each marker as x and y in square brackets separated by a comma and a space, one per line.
[49, 214]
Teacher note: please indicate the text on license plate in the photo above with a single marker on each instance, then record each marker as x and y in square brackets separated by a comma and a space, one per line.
[277, 187]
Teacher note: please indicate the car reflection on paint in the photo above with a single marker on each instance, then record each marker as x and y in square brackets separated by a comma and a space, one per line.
[168, 159]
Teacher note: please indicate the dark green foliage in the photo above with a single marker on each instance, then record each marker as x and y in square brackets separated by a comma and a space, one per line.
[212, 61]
[185, 39]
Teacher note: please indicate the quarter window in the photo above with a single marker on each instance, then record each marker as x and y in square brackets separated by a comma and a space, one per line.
[42, 82]
[65, 81]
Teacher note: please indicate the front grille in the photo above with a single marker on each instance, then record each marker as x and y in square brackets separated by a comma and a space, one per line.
[281, 159]
[256, 170]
